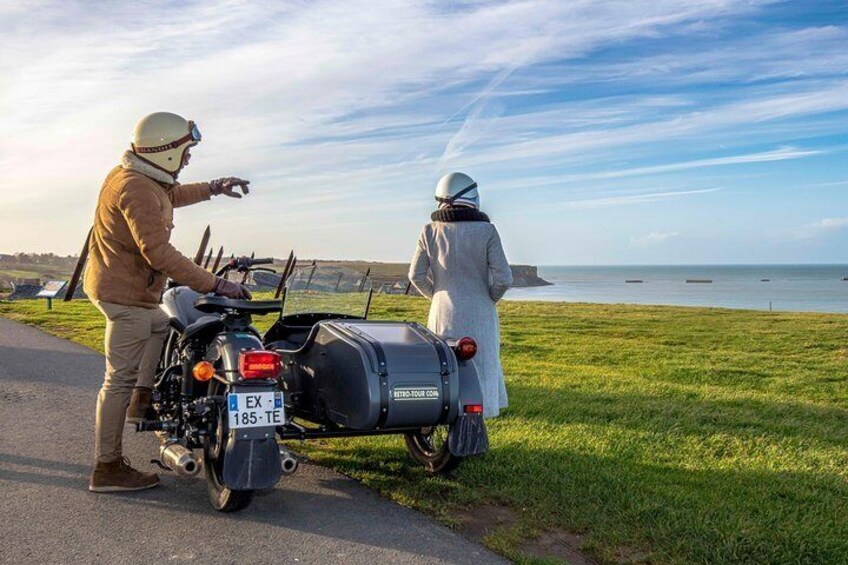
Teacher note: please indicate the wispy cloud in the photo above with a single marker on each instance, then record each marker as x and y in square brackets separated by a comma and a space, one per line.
[652, 238]
[607, 201]
[764, 157]
[821, 228]
[337, 108]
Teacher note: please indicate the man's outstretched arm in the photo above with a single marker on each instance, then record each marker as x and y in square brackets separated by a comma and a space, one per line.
[188, 194]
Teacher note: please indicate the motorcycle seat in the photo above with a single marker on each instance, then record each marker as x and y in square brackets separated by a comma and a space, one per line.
[222, 304]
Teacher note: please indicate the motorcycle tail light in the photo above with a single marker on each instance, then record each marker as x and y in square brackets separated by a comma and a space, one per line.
[473, 408]
[203, 371]
[465, 348]
[259, 364]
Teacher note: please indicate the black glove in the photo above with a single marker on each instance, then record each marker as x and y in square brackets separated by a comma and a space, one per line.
[227, 186]
[231, 290]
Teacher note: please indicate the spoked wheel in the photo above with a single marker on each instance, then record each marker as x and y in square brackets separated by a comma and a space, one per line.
[221, 497]
[429, 446]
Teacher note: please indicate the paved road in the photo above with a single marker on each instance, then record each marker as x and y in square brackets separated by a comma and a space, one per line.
[47, 394]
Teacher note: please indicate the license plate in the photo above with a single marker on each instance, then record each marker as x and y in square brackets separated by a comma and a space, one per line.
[255, 409]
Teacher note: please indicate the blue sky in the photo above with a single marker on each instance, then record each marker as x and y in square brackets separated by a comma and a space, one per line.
[600, 132]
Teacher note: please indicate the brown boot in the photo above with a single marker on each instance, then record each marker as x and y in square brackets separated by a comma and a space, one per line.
[118, 476]
[139, 404]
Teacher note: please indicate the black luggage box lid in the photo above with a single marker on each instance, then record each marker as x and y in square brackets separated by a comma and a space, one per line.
[408, 347]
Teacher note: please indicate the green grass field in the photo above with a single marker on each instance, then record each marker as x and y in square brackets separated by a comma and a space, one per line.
[31, 271]
[12, 274]
[646, 434]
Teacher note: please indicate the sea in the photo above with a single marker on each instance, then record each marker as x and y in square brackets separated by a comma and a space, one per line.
[786, 288]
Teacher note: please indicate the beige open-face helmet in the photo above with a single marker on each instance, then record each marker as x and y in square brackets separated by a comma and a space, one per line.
[457, 188]
[162, 139]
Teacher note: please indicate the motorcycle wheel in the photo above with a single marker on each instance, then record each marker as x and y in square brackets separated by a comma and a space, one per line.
[222, 498]
[429, 446]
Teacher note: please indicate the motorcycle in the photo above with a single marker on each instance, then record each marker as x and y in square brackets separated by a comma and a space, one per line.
[321, 370]
[217, 390]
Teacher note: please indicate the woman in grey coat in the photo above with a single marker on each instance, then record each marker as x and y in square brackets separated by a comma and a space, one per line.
[461, 267]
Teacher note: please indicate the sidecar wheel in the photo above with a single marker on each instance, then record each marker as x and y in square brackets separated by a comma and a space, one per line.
[429, 446]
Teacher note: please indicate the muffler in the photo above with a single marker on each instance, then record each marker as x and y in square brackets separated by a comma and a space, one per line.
[288, 461]
[179, 459]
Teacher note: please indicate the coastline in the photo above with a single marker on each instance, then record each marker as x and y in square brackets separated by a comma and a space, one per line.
[784, 288]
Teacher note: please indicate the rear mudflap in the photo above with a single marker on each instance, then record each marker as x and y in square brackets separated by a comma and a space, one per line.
[252, 462]
[467, 436]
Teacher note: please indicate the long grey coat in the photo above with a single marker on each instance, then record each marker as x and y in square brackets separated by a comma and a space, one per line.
[461, 267]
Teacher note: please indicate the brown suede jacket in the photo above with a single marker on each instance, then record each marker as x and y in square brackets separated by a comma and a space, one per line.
[129, 254]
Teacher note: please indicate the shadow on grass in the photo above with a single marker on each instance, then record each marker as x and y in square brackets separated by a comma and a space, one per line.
[669, 513]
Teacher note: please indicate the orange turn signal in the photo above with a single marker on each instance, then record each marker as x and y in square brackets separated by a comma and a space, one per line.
[203, 371]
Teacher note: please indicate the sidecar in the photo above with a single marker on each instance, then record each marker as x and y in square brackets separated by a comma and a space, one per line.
[346, 375]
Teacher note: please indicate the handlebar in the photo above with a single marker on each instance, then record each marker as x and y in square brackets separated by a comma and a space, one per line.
[242, 264]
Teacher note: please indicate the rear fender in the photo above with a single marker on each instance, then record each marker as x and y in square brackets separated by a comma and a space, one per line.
[252, 457]
[467, 435]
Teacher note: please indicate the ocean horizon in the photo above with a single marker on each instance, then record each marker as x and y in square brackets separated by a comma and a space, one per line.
[777, 287]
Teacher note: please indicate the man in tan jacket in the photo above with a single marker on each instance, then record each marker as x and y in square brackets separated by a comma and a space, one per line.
[130, 258]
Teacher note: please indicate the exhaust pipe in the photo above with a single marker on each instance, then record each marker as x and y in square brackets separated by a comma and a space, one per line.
[179, 459]
[289, 462]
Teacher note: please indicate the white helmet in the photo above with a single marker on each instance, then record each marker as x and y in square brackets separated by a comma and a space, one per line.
[457, 188]
[162, 138]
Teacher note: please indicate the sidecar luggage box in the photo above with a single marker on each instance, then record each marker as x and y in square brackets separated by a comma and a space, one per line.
[372, 375]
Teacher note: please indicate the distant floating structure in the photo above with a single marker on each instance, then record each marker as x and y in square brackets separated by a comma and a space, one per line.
[845, 278]
[765, 280]
[632, 281]
[700, 281]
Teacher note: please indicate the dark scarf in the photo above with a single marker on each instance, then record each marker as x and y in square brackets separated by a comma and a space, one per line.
[459, 214]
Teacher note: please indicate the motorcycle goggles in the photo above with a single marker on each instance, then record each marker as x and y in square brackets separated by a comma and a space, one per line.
[193, 136]
[458, 195]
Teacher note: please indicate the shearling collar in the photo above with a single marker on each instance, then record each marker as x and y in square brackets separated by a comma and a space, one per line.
[131, 161]
[459, 214]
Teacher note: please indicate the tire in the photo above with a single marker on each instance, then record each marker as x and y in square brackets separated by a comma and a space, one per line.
[429, 446]
[222, 498]
[169, 356]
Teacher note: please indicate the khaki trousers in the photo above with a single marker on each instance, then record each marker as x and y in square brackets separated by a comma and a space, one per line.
[134, 338]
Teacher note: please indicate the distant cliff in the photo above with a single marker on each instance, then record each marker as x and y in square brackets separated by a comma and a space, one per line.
[527, 275]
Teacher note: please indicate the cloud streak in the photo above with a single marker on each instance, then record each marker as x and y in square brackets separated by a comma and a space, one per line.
[653, 238]
[649, 197]
[822, 228]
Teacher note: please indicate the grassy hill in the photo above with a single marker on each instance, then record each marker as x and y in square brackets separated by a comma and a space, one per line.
[636, 433]
[13, 269]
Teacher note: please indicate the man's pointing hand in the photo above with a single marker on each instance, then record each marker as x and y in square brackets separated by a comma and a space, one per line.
[227, 185]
